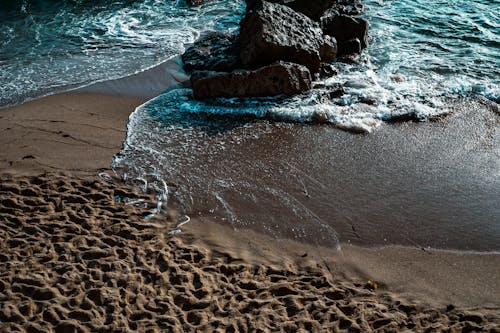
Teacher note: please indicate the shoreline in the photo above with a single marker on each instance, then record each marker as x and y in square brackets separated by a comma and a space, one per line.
[69, 118]
[144, 84]
[429, 184]
[211, 274]
[70, 132]
[464, 279]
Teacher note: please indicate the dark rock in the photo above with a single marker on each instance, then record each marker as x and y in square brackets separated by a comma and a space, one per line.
[196, 3]
[328, 70]
[315, 9]
[345, 7]
[271, 32]
[352, 46]
[280, 78]
[320, 117]
[213, 52]
[346, 29]
[368, 100]
[336, 92]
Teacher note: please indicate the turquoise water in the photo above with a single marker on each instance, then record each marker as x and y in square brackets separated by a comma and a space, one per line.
[53, 45]
[437, 47]
[442, 46]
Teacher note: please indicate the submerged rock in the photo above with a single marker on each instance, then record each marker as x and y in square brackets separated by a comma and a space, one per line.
[271, 32]
[214, 52]
[281, 78]
[349, 32]
[195, 3]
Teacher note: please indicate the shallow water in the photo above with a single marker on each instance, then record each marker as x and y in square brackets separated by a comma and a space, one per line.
[54, 45]
[431, 184]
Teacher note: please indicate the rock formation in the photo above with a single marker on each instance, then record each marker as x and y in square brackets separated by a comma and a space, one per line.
[281, 44]
[351, 33]
[280, 78]
[271, 32]
[315, 9]
[214, 52]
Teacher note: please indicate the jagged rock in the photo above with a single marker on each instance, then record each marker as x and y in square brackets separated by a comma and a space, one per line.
[281, 78]
[346, 30]
[214, 52]
[320, 117]
[271, 32]
[315, 9]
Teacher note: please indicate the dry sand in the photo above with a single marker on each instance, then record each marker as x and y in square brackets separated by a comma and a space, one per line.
[74, 258]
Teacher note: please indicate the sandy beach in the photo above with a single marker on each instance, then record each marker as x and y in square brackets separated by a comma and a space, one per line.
[78, 257]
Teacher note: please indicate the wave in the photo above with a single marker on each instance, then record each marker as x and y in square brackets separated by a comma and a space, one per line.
[52, 46]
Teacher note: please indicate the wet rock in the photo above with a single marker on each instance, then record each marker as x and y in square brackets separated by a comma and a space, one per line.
[328, 70]
[316, 8]
[271, 32]
[345, 7]
[320, 117]
[351, 33]
[280, 78]
[352, 46]
[397, 78]
[214, 52]
[196, 3]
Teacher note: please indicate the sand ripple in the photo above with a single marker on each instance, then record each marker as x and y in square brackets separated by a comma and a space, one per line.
[75, 259]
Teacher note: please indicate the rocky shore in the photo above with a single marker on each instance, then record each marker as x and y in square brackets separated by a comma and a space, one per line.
[282, 46]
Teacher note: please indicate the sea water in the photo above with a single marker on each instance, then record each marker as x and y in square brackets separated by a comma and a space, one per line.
[418, 50]
[55, 45]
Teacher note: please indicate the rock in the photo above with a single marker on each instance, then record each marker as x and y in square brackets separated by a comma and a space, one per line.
[271, 32]
[328, 70]
[280, 78]
[397, 78]
[315, 9]
[196, 3]
[351, 46]
[214, 52]
[346, 29]
[320, 117]
[345, 7]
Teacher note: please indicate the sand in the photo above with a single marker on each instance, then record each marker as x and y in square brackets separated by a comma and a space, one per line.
[69, 132]
[77, 257]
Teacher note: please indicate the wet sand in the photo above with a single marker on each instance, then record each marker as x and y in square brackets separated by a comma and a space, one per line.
[76, 257]
[72, 132]
[432, 184]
